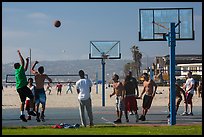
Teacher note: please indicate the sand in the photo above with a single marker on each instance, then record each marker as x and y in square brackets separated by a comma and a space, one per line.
[10, 98]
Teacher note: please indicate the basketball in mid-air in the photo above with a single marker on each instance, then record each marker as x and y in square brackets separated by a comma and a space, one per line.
[57, 23]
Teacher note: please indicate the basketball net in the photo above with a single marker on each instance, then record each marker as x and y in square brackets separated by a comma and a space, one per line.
[161, 29]
[160, 25]
[104, 56]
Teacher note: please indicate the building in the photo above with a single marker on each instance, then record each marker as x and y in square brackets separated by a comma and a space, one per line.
[184, 63]
[196, 68]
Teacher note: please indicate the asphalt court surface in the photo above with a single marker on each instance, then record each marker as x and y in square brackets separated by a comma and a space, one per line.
[157, 115]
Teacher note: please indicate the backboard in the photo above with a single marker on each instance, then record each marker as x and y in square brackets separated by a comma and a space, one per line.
[154, 23]
[104, 50]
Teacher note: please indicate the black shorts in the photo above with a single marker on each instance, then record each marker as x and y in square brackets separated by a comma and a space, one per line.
[25, 92]
[59, 90]
[147, 101]
[189, 97]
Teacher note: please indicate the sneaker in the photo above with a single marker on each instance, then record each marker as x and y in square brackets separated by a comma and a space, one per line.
[42, 117]
[118, 121]
[137, 117]
[91, 124]
[131, 113]
[29, 118]
[184, 114]
[190, 113]
[83, 125]
[142, 118]
[22, 117]
[32, 113]
[38, 117]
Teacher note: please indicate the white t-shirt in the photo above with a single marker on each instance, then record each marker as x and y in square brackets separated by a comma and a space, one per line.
[33, 91]
[189, 82]
[84, 86]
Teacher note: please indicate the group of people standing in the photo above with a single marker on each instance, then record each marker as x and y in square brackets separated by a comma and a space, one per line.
[127, 92]
[126, 97]
[59, 88]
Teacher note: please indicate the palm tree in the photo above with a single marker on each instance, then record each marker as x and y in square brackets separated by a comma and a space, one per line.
[137, 56]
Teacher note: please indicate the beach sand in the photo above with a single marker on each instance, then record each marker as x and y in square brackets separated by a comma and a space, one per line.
[10, 98]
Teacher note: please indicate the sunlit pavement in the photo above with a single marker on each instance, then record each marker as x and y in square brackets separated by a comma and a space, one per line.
[102, 115]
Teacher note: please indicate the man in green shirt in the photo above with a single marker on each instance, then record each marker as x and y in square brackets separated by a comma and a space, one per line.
[21, 86]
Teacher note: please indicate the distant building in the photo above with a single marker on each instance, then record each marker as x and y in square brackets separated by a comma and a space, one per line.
[183, 63]
[196, 68]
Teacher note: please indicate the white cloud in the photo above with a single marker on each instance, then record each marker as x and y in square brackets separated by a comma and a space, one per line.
[37, 15]
[12, 10]
[14, 34]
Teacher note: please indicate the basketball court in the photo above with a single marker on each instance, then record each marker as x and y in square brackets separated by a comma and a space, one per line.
[166, 24]
[102, 116]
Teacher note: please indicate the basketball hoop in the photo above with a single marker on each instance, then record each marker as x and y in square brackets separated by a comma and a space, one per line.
[104, 56]
[104, 50]
[161, 35]
[158, 20]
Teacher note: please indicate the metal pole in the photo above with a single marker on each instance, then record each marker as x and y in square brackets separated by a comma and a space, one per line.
[97, 81]
[151, 74]
[103, 81]
[147, 62]
[30, 62]
[172, 75]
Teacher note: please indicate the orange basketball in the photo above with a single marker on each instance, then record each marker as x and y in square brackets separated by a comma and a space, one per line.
[57, 23]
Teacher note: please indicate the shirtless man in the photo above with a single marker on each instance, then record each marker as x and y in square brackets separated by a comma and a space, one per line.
[179, 91]
[150, 92]
[40, 96]
[119, 91]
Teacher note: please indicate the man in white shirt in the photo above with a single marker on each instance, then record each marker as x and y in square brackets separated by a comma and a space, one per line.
[83, 87]
[189, 89]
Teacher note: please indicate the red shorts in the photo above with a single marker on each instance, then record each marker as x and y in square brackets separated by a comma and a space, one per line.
[131, 103]
[27, 105]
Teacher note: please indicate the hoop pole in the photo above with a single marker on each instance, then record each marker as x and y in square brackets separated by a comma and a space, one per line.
[103, 81]
[97, 81]
[151, 74]
[30, 62]
[172, 75]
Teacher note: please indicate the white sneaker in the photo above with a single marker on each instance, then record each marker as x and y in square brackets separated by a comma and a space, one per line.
[131, 113]
[190, 113]
[184, 114]
[137, 117]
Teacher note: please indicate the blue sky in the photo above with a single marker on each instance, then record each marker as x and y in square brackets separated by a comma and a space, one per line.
[29, 25]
